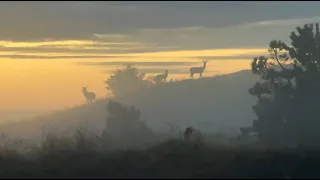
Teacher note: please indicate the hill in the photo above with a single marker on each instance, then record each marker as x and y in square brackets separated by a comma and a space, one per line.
[16, 115]
[208, 103]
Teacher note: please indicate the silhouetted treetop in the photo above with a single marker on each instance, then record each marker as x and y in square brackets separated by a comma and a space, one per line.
[123, 119]
[126, 81]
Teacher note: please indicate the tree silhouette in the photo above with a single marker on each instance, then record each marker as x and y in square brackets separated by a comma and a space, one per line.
[126, 81]
[125, 120]
[288, 95]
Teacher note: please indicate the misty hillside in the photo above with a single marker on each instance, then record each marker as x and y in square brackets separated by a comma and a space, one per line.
[208, 103]
[16, 115]
[86, 117]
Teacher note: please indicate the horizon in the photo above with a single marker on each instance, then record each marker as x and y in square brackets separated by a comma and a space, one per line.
[41, 55]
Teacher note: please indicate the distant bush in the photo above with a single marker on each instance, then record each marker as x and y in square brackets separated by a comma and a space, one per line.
[123, 124]
[127, 81]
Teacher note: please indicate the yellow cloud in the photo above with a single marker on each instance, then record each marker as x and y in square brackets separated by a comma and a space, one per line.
[113, 36]
[213, 52]
[71, 43]
[37, 44]
[86, 45]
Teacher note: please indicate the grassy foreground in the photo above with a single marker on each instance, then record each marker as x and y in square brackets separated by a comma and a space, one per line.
[170, 159]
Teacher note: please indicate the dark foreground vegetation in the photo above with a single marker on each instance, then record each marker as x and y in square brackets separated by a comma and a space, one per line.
[287, 116]
[171, 159]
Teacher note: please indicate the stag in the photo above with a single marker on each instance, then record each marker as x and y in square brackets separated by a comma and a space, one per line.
[90, 96]
[161, 77]
[199, 70]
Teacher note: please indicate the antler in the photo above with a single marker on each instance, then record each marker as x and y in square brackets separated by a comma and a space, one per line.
[85, 86]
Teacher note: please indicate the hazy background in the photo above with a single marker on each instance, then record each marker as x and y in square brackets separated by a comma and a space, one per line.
[49, 49]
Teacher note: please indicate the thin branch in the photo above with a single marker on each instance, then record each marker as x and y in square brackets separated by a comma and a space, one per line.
[283, 69]
[277, 60]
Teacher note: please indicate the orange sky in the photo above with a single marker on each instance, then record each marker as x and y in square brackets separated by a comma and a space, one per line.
[44, 84]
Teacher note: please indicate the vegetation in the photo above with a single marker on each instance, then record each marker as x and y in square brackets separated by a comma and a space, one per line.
[127, 81]
[125, 127]
[288, 99]
[170, 159]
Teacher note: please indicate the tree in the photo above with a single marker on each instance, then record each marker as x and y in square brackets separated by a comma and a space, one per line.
[126, 81]
[289, 93]
[125, 120]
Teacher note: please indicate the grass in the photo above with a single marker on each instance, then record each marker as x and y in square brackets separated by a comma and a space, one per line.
[90, 158]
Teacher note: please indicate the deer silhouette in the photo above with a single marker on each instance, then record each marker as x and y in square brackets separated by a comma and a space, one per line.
[90, 96]
[161, 77]
[199, 70]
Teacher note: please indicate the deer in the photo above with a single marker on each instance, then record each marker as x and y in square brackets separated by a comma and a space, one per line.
[161, 77]
[90, 96]
[199, 70]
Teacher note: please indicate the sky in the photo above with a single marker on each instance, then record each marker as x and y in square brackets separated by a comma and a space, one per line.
[49, 49]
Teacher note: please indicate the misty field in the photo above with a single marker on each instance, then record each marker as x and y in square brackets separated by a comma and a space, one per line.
[58, 158]
[169, 159]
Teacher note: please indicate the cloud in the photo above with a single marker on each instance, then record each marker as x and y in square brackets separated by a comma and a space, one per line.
[158, 70]
[193, 60]
[74, 44]
[11, 44]
[96, 49]
[236, 57]
[136, 63]
[16, 56]
[226, 52]
[170, 71]
[80, 47]
[285, 22]
[140, 27]
[255, 34]
[29, 21]
[34, 21]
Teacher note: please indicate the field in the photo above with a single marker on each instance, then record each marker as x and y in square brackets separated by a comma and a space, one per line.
[63, 158]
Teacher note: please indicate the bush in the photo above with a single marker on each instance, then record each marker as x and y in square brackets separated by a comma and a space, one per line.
[127, 81]
[124, 125]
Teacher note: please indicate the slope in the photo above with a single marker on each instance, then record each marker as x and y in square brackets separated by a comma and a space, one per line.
[207, 103]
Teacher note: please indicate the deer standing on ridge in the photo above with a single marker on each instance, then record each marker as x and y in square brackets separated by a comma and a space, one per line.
[161, 77]
[90, 96]
[199, 70]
